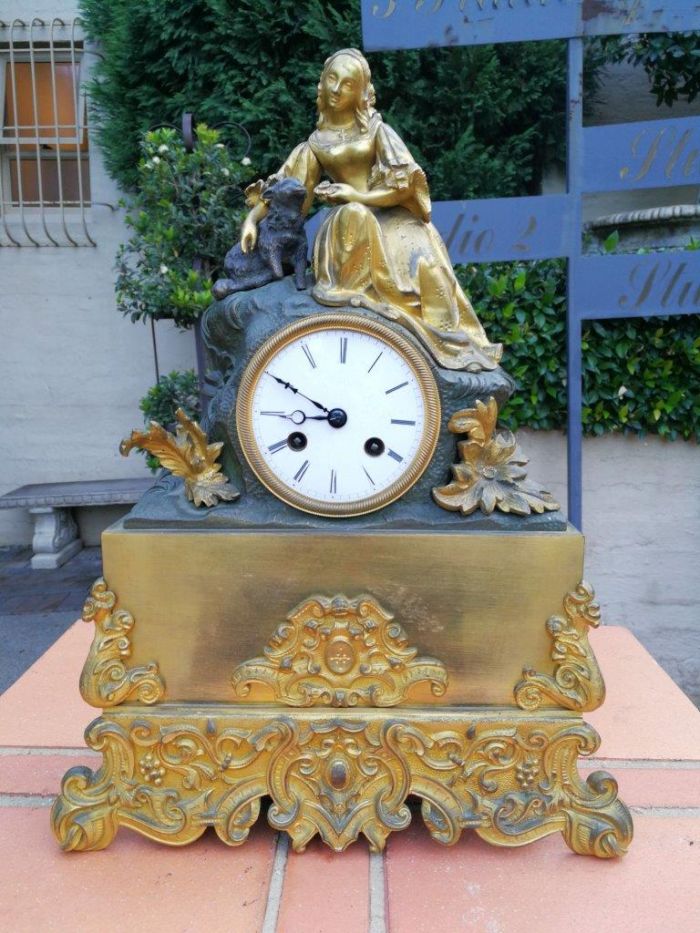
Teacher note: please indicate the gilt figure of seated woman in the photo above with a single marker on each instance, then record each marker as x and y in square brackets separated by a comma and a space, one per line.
[376, 248]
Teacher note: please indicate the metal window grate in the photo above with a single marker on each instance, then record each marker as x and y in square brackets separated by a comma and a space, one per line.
[44, 141]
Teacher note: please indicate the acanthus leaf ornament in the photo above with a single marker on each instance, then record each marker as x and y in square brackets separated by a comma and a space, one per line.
[106, 680]
[491, 473]
[188, 454]
[338, 652]
[576, 682]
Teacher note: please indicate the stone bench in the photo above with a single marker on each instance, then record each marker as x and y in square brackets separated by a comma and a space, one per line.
[56, 537]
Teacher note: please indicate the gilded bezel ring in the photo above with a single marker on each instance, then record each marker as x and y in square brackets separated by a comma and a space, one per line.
[342, 321]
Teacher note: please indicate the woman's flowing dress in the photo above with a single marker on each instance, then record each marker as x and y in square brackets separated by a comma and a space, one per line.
[388, 259]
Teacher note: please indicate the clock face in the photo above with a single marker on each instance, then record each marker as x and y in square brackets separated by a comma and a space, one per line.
[338, 415]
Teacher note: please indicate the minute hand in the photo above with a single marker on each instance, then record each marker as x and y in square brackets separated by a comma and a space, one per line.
[289, 386]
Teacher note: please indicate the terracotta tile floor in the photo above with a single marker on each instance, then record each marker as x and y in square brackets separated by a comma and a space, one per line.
[651, 742]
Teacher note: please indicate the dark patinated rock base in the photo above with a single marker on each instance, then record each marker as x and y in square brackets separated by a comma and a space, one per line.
[233, 329]
[165, 506]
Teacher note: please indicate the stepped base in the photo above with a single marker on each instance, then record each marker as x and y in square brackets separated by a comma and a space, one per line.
[338, 675]
[172, 771]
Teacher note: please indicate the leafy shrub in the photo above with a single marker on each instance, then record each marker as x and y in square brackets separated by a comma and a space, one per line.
[188, 207]
[640, 375]
[671, 61]
[176, 390]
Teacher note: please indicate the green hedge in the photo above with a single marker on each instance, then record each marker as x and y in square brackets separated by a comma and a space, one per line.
[640, 375]
[480, 120]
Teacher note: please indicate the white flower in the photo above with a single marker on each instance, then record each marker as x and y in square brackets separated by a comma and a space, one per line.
[245, 160]
[225, 171]
[155, 160]
[220, 146]
[163, 148]
[622, 391]
[164, 269]
[148, 165]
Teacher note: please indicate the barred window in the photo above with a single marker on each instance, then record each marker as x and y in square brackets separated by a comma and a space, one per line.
[44, 148]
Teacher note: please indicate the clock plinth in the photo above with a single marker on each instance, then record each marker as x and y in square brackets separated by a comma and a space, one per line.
[173, 771]
[341, 674]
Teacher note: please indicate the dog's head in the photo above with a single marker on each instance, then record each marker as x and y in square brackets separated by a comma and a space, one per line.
[286, 193]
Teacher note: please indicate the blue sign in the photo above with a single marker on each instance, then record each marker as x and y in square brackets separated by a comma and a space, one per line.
[653, 154]
[414, 24]
[495, 229]
[636, 285]
[504, 228]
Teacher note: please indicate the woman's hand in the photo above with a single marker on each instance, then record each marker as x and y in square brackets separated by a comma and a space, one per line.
[333, 193]
[249, 234]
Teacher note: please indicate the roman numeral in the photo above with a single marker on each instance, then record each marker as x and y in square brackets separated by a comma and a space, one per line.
[395, 456]
[273, 448]
[308, 355]
[334, 482]
[399, 386]
[396, 421]
[343, 349]
[368, 476]
[299, 475]
[375, 363]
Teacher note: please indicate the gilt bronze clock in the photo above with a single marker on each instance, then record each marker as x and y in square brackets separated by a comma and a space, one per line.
[342, 590]
[338, 415]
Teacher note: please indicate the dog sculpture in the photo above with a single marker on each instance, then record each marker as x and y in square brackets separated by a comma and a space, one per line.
[281, 242]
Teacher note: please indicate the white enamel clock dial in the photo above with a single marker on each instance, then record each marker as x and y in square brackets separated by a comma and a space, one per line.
[338, 415]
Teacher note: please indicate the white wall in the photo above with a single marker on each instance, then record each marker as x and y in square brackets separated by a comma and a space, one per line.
[72, 369]
[625, 97]
[43, 9]
[641, 519]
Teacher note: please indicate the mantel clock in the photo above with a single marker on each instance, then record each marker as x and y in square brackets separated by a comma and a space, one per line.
[343, 591]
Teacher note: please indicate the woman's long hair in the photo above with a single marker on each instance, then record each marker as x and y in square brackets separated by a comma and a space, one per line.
[365, 110]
